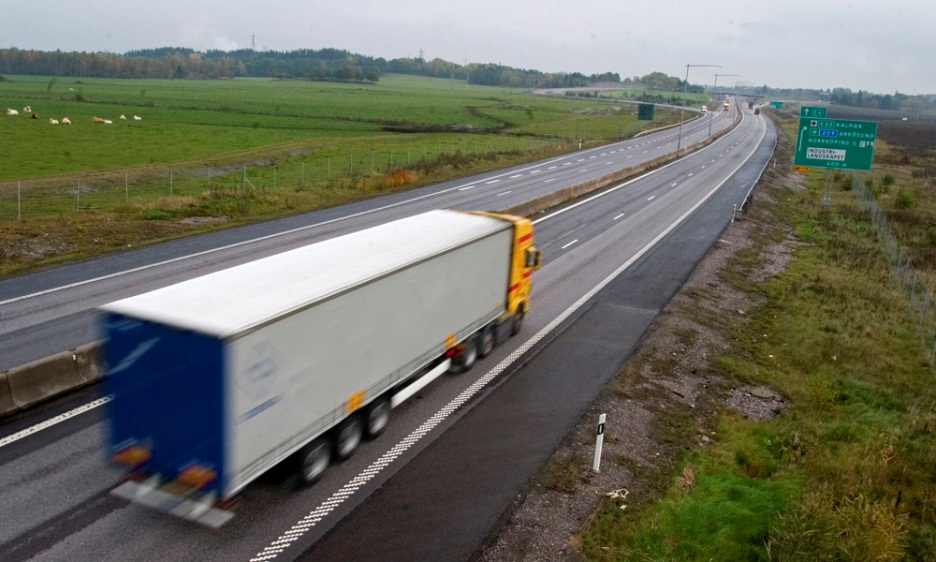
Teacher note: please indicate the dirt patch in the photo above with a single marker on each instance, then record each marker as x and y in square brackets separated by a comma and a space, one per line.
[669, 378]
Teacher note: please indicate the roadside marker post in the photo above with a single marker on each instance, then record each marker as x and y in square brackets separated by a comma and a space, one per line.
[599, 441]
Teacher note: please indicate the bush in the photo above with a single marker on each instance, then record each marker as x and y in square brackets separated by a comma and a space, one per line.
[904, 200]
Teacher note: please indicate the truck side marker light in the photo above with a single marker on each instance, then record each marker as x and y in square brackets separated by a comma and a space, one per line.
[196, 476]
[132, 456]
[355, 401]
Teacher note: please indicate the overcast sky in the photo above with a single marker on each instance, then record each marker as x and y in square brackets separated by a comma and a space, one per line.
[880, 46]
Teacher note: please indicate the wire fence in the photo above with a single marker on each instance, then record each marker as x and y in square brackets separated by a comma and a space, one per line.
[919, 294]
[28, 199]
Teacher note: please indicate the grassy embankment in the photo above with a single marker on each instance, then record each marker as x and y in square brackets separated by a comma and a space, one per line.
[249, 149]
[848, 471]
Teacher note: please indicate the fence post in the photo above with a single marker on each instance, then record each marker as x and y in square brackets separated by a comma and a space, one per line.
[19, 203]
[126, 189]
[599, 441]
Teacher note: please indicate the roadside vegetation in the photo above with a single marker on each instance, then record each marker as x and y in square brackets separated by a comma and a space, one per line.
[846, 470]
[208, 154]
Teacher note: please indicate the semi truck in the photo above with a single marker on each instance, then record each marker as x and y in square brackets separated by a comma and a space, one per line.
[299, 356]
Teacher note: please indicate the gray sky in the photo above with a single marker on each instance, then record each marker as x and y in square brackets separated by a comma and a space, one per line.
[881, 46]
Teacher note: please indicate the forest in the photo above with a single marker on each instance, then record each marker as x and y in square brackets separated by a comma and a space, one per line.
[319, 65]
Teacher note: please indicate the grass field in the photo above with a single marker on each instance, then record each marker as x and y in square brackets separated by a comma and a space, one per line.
[847, 471]
[185, 120]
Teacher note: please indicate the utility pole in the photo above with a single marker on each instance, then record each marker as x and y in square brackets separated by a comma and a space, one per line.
[683, 104]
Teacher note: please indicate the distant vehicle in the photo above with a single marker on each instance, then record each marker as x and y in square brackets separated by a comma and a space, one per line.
[750, 105]
[299, 356]
[726, 106]
[757, 111]
[704, 109]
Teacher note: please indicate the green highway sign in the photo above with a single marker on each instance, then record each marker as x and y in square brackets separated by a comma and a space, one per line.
[777, 104]
[833, 143]
[809, 111]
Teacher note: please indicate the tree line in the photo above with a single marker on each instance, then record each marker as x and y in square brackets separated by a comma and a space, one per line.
[318, 65]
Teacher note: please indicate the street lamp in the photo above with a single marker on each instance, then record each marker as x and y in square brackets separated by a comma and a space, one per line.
[683, 105]
[715, 91]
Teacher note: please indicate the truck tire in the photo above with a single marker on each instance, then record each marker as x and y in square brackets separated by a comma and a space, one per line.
[487, 341]
[469, 356]
[377, 417]
[348, 436]
[313, 460]
[517, 323]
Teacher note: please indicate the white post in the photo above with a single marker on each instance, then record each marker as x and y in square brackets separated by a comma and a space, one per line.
[598, 442]
[19, 202]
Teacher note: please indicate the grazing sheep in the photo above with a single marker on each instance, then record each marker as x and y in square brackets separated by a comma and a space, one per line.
[97, 119]
[11, 111]
[108, 122]
[35, 116]
[27, 109]
[123, 117]
[53, 121]
[137, 118]
[66, 121]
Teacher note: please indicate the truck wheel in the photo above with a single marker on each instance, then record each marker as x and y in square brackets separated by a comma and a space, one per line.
[468, 357]
[377, 416]
[313, 459]
[348, 436]
[487, 342]
[517, 323]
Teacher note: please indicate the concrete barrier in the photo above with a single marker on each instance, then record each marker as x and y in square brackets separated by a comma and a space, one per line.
[7, 405]
[545, 202]
[90, 362]
[40, 380]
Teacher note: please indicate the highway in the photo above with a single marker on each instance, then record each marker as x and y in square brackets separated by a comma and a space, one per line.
[650, 230]
[52, 311]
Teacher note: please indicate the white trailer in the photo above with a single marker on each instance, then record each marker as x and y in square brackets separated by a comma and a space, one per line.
[299, 355]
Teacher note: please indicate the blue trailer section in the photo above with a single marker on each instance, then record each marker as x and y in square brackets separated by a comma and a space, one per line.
[168, 390]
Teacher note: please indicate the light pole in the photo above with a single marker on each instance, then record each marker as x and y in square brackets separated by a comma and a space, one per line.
[683, 105]
[715, 91]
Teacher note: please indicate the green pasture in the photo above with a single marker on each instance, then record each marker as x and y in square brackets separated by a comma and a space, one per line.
[189, 120]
